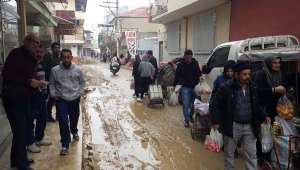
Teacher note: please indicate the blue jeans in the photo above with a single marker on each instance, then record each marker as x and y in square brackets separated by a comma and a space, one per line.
[38, 111]
[188, 94]
[67, 110]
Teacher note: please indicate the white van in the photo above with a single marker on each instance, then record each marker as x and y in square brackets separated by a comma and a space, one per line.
[228, 51]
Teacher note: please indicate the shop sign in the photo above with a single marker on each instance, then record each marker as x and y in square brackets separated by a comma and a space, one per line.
[65, 29]
[131, 41]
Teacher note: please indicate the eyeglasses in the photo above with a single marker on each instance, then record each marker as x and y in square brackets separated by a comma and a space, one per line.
[33, 41]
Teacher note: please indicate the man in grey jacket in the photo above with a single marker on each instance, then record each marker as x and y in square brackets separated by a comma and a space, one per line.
[147, 72]
[66, 86]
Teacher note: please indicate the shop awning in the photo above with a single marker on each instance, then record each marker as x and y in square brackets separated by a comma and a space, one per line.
[38, 15]
[62, 21]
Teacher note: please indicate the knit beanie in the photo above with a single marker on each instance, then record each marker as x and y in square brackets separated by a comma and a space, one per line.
[240, 66]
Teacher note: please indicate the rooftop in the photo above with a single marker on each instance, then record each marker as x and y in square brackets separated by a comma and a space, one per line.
[141, 12]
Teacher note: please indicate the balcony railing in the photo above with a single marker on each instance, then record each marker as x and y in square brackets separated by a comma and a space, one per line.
[159, 7]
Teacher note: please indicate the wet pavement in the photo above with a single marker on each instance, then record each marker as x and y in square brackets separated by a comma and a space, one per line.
[121, 133]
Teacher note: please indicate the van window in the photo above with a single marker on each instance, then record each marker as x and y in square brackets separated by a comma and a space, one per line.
[218, 58]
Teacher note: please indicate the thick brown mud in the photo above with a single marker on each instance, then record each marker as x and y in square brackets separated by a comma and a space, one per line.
[121, 133]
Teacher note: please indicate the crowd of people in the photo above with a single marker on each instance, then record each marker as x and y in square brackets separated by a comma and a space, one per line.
[30, 78]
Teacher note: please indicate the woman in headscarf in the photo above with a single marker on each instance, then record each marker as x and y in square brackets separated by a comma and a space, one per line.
[137, 76]
[271, 85]
[222, 78]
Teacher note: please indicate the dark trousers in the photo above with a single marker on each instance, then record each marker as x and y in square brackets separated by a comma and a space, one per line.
[137, 85]
[50, 104]
[17, 114]
[38, 111]
[145, 85]
[104, 60]
[67, 110]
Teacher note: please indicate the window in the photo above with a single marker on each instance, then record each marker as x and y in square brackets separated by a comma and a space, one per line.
[204, 33]
[218, 58]
[173, 38]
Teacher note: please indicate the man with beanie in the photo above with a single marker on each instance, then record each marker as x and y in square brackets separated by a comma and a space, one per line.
[50, 61]
[237, 108]
[189, 73]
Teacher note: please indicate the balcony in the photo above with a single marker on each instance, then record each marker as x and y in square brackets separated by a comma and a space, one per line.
[163, 11]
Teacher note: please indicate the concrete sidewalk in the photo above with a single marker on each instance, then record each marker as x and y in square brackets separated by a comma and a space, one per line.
[49, 158]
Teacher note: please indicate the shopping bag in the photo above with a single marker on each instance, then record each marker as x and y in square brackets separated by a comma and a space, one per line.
[284, 108]
[173, 99]
[266, 138]
[202, 108]
[214, 141]
[287, 125]
[202, 88]
[132, 84]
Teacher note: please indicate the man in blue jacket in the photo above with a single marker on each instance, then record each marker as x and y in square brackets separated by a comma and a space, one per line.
[66, 86]
[189, 73]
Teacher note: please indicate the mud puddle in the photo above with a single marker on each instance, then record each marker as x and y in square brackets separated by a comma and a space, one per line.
[120, 133]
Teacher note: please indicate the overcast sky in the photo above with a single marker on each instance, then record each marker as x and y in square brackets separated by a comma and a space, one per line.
[94, 13]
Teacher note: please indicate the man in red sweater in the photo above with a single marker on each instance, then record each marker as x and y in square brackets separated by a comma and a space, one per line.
[19, 82]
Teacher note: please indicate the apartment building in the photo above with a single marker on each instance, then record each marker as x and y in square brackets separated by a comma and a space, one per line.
[191, 24]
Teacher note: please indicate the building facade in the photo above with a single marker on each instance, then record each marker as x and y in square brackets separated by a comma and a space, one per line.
[191, 24]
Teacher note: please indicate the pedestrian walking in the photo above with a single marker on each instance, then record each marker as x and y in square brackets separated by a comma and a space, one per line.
[271, 85]
[147, 72]
[50, 61]
[189, 73]
[137, 76]
[66, 86]
[128, 57]
[222, 78]
[104, 57]
[38, 111]
[236, 107]
[153, 61]
[19, 80]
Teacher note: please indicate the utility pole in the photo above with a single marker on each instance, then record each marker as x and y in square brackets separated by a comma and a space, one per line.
[117, 23]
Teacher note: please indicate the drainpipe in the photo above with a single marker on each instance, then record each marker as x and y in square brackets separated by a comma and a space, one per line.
[186, 31]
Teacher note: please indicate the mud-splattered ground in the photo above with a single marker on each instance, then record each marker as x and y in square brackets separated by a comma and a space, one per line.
[120, 133]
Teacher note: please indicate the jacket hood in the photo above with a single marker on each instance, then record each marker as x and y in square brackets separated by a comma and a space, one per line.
[229, 64]
[63, 67]
[145, 58]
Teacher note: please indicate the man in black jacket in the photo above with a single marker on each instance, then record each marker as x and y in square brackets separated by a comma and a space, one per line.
[189, 72]
[153, 61]
[237, 108]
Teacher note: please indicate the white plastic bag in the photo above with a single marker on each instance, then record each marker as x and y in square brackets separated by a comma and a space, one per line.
[287, 125]
[173, 99]
[214, 141]
[202, 88]
[203, 108]
[266, 137]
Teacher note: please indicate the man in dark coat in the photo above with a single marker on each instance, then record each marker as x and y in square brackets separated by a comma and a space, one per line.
[20, 72]
[50, 61]
[153, 61]
[189, 72]
[237, 108]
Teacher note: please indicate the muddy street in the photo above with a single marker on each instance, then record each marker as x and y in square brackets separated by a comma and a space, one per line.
[121, 133]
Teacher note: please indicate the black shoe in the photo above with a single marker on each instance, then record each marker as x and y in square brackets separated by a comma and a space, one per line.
[260, 161]
[186, 124]
[50, 119]
[235, 153]
[192, 120]
[30, 161]
[29, 168]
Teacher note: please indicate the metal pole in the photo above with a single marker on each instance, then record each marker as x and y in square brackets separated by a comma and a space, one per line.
[118, 28]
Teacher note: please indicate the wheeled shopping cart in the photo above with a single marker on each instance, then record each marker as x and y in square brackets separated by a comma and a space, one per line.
[285, 154]
[202, 125]
[155, 95]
